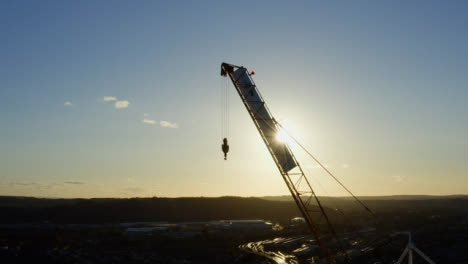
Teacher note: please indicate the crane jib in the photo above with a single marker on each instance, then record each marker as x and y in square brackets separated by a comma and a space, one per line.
[263, 119]
[296, 181]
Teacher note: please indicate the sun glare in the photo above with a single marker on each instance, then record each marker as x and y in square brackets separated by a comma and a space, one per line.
[283, 137]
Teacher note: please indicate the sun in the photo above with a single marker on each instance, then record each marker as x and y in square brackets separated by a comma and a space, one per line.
[283, 137]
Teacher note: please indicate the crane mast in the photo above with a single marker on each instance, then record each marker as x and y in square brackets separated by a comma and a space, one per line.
[288, 166]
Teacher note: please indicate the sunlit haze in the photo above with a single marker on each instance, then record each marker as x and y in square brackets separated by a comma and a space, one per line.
[122, 99]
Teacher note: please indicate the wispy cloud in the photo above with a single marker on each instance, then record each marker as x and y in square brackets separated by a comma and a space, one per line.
[130, 179]
[109, 98]
[53, 186]
[134, 189]
[168, 124]
[148, 121]
[24, 183]
[67, 103]
[118, 104]
[145, 114]
[35, 185]
[316, 166]
[121, 104]
[399, 177]
[74, 182]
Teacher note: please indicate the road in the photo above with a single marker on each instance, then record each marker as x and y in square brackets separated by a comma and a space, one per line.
[277, 256]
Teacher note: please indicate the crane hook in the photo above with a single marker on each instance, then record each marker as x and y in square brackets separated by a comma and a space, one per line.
[225, 148]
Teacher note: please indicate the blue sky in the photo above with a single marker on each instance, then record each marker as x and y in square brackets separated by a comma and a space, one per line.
[376, 90]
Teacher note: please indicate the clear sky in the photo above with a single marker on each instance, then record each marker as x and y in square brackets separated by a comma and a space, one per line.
[121, 98]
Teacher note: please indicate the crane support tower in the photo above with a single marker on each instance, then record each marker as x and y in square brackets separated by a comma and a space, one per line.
[288, 166]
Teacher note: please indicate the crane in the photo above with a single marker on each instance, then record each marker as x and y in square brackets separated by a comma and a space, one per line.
[291, 171]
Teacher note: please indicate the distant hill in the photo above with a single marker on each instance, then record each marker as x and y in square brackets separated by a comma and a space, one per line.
[363, 198]
[275, 208]
[110, 210]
